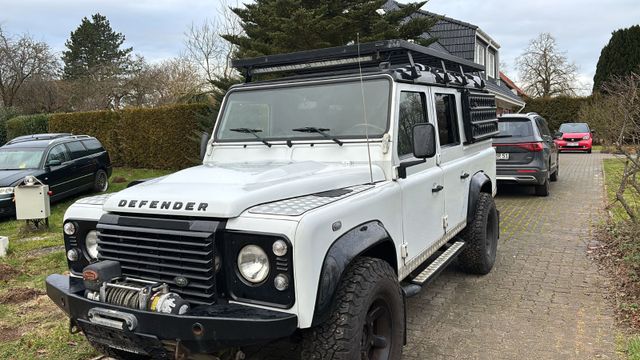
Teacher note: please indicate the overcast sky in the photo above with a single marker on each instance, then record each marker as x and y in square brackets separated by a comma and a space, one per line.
[155, 28]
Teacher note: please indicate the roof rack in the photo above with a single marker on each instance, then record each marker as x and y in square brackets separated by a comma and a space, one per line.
[36, 137]
[379, 54]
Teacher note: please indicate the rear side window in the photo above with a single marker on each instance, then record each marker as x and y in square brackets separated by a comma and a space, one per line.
[515, 128]
[412, 111]
[76, 149]
[542, 125]
[447, 119]
[93, 146]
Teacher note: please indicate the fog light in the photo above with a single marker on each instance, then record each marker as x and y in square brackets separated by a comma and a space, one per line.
[73, 255]
[279, 248]
[281, 282]
[69, 228]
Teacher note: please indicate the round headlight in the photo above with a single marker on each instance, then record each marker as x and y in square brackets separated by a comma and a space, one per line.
[279, 248]
[253, 264]
[91, 244]
[69, 228]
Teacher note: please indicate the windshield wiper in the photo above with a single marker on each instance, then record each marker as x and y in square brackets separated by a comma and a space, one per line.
[253, 132]
[321, 131]
[502, 136]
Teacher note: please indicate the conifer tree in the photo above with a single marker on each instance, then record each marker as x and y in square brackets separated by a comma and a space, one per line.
[620, 57]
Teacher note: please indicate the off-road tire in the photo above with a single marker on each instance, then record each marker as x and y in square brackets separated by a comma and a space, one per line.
[367, 285]
[101, 181]
[543, 190]
[481, 236]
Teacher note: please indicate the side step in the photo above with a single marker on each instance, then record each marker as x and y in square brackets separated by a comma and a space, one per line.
[439, 264]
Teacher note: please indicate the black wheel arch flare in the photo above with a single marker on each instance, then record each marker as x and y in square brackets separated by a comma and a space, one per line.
[480, 183]
[369, 239]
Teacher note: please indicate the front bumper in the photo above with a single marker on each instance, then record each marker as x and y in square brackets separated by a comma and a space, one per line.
[582, 145]
[204, 330]
[521, 175]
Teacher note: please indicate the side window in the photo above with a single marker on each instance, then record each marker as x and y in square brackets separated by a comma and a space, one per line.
[447, 114]
[93, 146]
[58, 152]
[412, 111]
[542, 125]
[76, 149]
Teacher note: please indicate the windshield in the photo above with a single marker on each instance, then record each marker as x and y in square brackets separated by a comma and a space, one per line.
[574, 128]
[515, 127]
[15, 159]
[287, 113]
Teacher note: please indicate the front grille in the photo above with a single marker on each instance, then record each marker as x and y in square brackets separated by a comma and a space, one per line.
[161, 250]
[572, 139]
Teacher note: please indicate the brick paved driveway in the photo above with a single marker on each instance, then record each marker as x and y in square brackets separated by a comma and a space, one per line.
[543, 300]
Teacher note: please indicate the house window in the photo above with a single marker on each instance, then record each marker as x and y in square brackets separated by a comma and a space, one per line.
[491, 65]
[480, 54]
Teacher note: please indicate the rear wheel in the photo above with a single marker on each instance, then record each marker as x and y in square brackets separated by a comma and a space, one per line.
[101, 181]
[543, 190]
[481, 236]
[367, 320]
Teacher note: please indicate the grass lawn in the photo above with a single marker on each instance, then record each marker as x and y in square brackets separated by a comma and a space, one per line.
[597, 148]
[31, 326]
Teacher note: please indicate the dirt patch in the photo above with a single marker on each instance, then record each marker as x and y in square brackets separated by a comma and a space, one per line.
[119, 180]
[17, 295]
[44, 251]
[9, 334]
[7, 272]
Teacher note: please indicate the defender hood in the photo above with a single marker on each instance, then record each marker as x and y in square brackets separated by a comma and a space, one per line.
[226, 190]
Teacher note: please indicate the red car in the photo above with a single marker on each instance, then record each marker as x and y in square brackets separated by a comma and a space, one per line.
[575, 137]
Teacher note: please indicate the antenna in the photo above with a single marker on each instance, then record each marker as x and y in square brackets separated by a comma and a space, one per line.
[364, 110]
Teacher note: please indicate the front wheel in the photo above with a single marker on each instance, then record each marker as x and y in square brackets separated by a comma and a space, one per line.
[101, 181]
[367, 320]
[481, 236]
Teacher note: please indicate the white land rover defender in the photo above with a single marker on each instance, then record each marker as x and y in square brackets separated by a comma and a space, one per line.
[325, 198]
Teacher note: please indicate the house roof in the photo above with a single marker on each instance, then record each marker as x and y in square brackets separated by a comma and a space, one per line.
[510, 84]
[502, 91]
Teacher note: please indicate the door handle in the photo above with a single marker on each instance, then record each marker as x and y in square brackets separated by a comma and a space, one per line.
[437, 188]
[464, 175]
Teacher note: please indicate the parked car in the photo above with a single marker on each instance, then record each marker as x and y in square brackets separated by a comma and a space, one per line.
[525, 152]
[69, 164]
[575, 137]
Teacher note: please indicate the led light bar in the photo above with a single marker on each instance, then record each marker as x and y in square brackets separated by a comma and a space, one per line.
[312, 65]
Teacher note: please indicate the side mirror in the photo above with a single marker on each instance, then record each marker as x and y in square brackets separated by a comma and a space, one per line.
[558, 135]
[424, 141]
[204, 141]
[593, 131]
[54, 162]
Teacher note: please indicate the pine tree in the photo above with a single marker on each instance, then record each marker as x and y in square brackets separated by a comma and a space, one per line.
[280, 26]
[95, 51]
[619, 57]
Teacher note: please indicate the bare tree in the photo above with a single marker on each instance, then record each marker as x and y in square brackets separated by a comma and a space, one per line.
[205, 46]
[545, 71]
[22, 58]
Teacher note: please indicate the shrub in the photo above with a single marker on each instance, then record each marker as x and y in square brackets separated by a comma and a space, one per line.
[27, 125]
[161, 138]
[557, 110]
[6, 113]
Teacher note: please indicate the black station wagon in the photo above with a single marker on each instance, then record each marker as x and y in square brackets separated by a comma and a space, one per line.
[69, 164]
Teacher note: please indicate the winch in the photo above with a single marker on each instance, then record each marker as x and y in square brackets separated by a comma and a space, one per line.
[105, 283]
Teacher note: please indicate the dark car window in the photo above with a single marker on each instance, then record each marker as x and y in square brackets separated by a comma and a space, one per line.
[447, 119]
[574, 128]
[76, 149]
[412, 111]
[93, 146]
[512, 127]
[542, 126]
[58, 152]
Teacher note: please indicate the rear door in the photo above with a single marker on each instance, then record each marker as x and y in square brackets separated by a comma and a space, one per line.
[517, 141]
[59, 177]
[550, 147]
[84, 166]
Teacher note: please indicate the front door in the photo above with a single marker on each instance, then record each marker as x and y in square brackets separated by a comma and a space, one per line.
[422, 195]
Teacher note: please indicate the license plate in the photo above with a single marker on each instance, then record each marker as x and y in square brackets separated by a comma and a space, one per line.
[573, 144]
[502, 156]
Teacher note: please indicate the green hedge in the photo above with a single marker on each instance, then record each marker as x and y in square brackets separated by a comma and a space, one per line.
[557, 110]
[27, 125]
[6, 113]
[160, 138]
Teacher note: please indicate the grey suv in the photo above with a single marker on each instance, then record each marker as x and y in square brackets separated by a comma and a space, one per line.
[525, 152]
